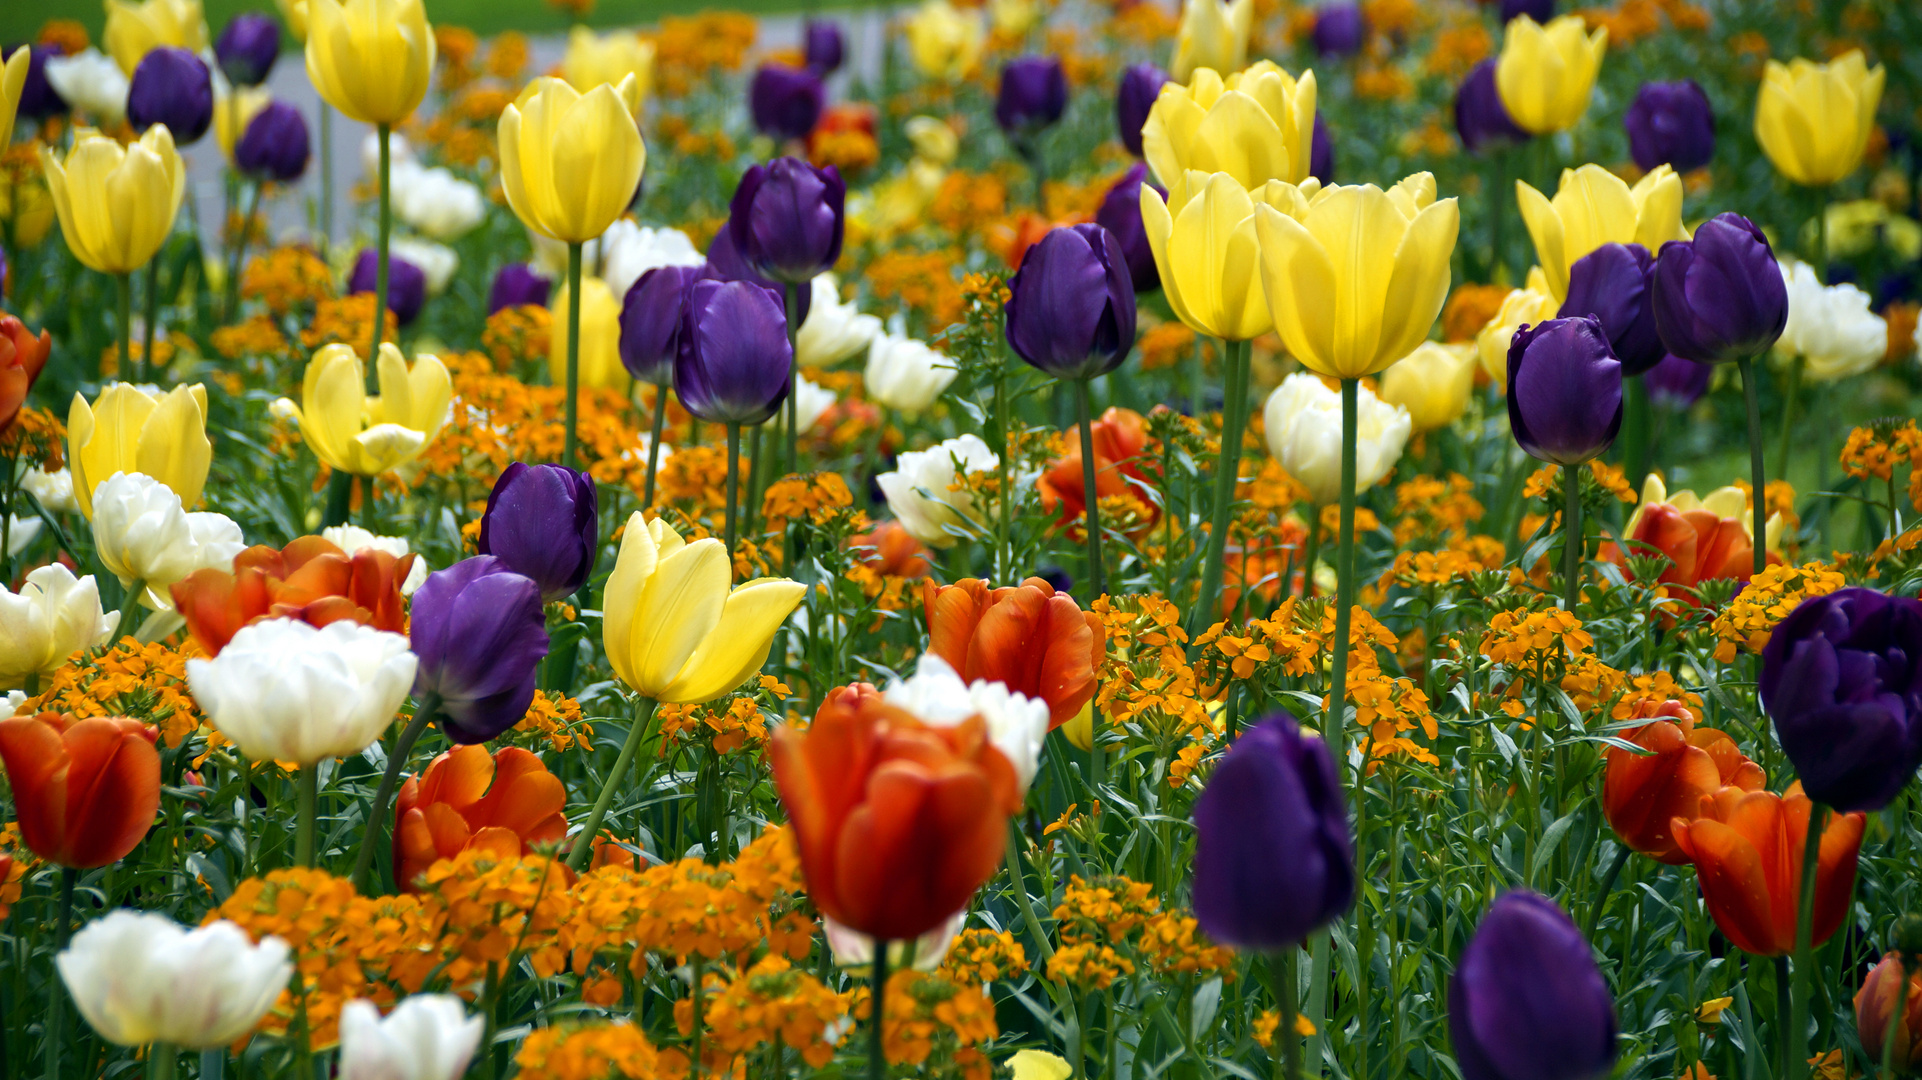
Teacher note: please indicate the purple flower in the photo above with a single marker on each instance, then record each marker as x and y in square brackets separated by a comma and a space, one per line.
[1340, 28]
[1274, 860]
[275, 145]
[1321, 153]
[1527, 1002]
[1670, 123]
[1140, 86]
[823, 46]
[480, 634]
[1071, 305]
[542, 522]
[1481, 119]
[733, 364]
[406, 283]
[1120, 214]
[1564, 390]
[1034, 93]
[787, 219]
[172, 87]
[1842, 677]
[247, 48]
[1539, 10]
[1720, 296]
[786, 101]
[725, 263]
[652, 314]
[38, 98]
[1676, 383]
[516, 284]
[1613, 283]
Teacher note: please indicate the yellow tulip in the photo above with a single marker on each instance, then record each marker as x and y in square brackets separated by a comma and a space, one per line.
[933, 140]
[1432, 383]
[1014, 17]
[1256, 125]
[294, 14]
[1039, 1064]
[135, 29]
[1814, 119]
[13, 81]
[1594, 207]
[26, 207]
[1529, 304]
[116, 203]
[1546, 74]
[672, 628]
[233, 111]
[371, 59]
[570, 161]
[129, 430]
[600, 338]
[1213, 35]
[593, 59]
[944, 41]
[1355, 276]
[1203, 239]
[365, 435]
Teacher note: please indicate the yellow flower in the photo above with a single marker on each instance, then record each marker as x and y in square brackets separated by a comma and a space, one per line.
[1014, 17]
[371, 59]
[1814, 119]
[1432, 383]
[233, 111]
[13, 81]
[933, 139]
[593, 59]
[129, 430]
[570, 161]
[1594, 207]
[135, 29]
[600, 338]
[116, 204]
[1080, 729]
[365, 435]
[1529, 304]
[1547, 73]
[671, 627]
[294, 14]
[944, 41]
[1256, 125]
[1038, 1065]
[1355, 276]
[1213, 35]
[1203, 239]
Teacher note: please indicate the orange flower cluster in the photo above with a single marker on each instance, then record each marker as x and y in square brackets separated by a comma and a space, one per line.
[588, 1052]
[771, 1000]
[1146, 677]
[348, 320]
[1535, 642]
[287, 277]
[819, 498]
[517, 334]
[1168, 344]
[927, 1013]
[1434, 508]
[497, 419]
[733, 722]
[493, 908]
[921, 281]
[555, 720]
[256, 335]
[689, 49]
[1875, 451]
[145, 682]
[1112, 926]
[983, 956]
[36, 434]
[1765, 601]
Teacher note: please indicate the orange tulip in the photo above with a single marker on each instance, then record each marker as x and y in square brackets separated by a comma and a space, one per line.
[310, 580]
[1747, 850]
[85, 791]
[1119, 437]
[1644, 793]
[1875, 1004]
[898, 822]
[1037, 641]
[1704, 539]
[500, 802]
[21, 357]
[896, 552]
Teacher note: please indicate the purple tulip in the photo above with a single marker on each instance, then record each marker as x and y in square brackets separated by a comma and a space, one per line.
[274, 146]
[652, 314]
[1675, 383]
[406, 284]
[734, 359]
[542, 522]
[823, 46]
[172, 87]
[1321, 153]
[1614, 284]
[787, 219]
[38, 98]
[786, 101]
[1564, 390]
[1527, 1002]
[1671, 124]
[1481, 119]
[1720, 297]
[724, 263]
[1340, 28]
[1842, 677]
[1120, 214]
[480, 634]
[516, 284]
[247, 48]
[1140, 86]
[1274, 860]
[1071, 305]
[1539, 10]
[1034, 94]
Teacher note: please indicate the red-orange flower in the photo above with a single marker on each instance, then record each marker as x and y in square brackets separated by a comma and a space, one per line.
[1119, 437]
[1747, 850]
[896, 552]
[86, 791]
[1644, 793]
[1875, 1004]
[1037, 641]
[21, 357]
[898, 822]
[1704, 539]
[1012, 239]
[502, 802]
[310, 580]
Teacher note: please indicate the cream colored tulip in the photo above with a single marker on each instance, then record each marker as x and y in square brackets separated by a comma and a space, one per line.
[944, 41]
[593, 59]
[1594, 207]
[1302, 424]
[933, 140]
[1528, 305]
[1203, 239]
[570, 161]
[1255, 125]
[1214, 35]
[371, 59]
[136, 29]
[365, 435]
[1814, 120]
[53, 616]
[600, 357]
[1432, 383]
[13, 82]
[129, 430]
[1546, 74]
[1355, 276]
[116, 204]
[233, 111]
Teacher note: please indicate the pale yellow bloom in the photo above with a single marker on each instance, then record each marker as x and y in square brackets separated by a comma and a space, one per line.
[1203, 239]
[116, 203]
[1432, 383]
[1529, 304]
[600, 357]
[1594, 207]
[1014, 17]
[1546, 74]
[593, 59]
[135, 29]
[294, 14]
[13, 81]
[933, 140]
[371, 59]
[1039, 1064]
[364, 435]
[570, 161]
[944, 41]
[1255, 125]
[1813, 120]
[1214, 35]
[129, 430]
[233, 111]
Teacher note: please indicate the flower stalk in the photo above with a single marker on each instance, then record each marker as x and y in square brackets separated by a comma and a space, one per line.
[570, 454]
[636, 734]
[389, 782]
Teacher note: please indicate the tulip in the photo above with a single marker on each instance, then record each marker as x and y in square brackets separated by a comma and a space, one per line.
[906, 375]
[1481, 120]
[1614, 283]
[1528, 306]
[1340, 28]
[1671, 124]
[785, 102]
[1546, 74]
[1255, 125]
[1814, 120]
[505, 801]
[247, 48]
[1274, 860]
[923, 493]
[294, 14]
[733, 362]
[894, 551]
[1036, 640]
[1594, 207]
[598, 361]
[1643, 793]
[1120, 215]
[1564, 390]
[37, 98]
[1321, 154]
[1432, 383]
[91, 83]
[172, 87]
[234, 111]
[1676, 384]
[725, 262]
[406, 285]
[312, 579]
[822, 46]
[786, 219]
[833, 330]
[944, 42]
[1033, 95]
[542, 522]
[1039, 1065]
[116, 204]
[1213, 35]
[1703, 539]
[139, 978]
[570, 161]
[1720, 297]
[1017, 723]
[85, 791]
[1830, 329]
[1302, 422]
[1203, 240]
[1747, 848]
[126, 429]
[53, 616]
[373, 60]
[1140, 86]
[516, 284]
[479, 633]
[355, 541]
[138, 28]
[426, 1037]
[1876, 1006]
[275, 145]
[1539, 10]
[593, 59]
[1071, 306]
[1526, 1001]
[22, 357]
[366, 436]
[13, 84]
[1119, 438]
[142, 536]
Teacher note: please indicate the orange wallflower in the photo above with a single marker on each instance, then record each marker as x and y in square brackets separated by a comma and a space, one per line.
[844, 137]
[310, 580]
[1037, 641]
[896, 552]
[1012, 239]
[85, 791]
[21, 357]
[1120, 436]
[1747, 850]
[1644, 793]
[466, 798]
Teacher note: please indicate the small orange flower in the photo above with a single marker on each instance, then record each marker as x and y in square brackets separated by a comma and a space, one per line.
[310, 579]
[468, 798]
[1747, 850]
[1037, 641]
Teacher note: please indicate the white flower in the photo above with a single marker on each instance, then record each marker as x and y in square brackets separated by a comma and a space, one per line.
[139, 977]
[426, 1037]
[833, 330]
[10, 703]
[904, 374]
[21, 532]
[435, 201]
[1017, 724]
[852, 948]
[1303, 422]
[353, 539]
[1831, 327]
[632, 250]
[286, 691]
[810, 401]
[53, 616]
[921, 492]
[141, 534]
[91, 82]
[437, 261]
[53, 489]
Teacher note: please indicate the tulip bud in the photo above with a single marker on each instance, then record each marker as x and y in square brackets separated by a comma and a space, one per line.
[116, 204]
[1213, 35]
[1033, 95]
[406, 283]
[1120, 214]
[139, 978]
[1875, 1005]
[785, 102]
[1675, 383]
[726, 263]
[922, 492]
[1546, 74]
[1071, 307]
[1615, 284]
[1830, 326]
[53, 616]
[1526, 1001]
[1753, 899]
[1255, 125]
[128, 430]
[943, 41]
[248, 48]
[1340, 28]
[1592, 207]
[786, 219]
[1564, 391]
[1321, 153]
[138, 27]
[426, 1037]
[480, 635]
[822, 46]
[22, 357]
[174, 88]
[652, 315]
[516, 284]
[599, 359]
[906, 375]
[1481, 120]
[1302, 421]
[542, 522]
[275, 147]
[1814, 120]
[592, 59]
[1140, 85]
[85, 791]
[733, 366]
[1720, 297]
[372, 59]
[570, 162]
[1671, 123]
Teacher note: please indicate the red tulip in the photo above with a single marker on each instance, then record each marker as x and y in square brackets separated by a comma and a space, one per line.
[1747, 850]
[1875, 1004]
[86, 791]
[1037, 641]
[1644, 793]
[1119, 438]
[21, 357]
[310, 580]
[502, 802]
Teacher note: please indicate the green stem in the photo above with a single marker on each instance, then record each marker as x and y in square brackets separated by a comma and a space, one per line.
[124, 286]
[1004, 503]
[1752, 396]
[1091, 504]
[307, 796]
[877, 1016]
[1288, 1064]
[584, 843]
[162, 1058]
[791, 301]
[326, 178]
[654, 445]
[1497, 202]
[380, 265]
[758, 467]
[1234, 418]
[1572, 542]
[129, 607]
[389, 781]
[1021, 899]
[570, 455]
[153, 318]
[1608, 886]
[231, 301]
[1635, 429]
[733, 488]
[1798, 1034]
[1790, 391]
[1317, 1011]
[340, 498]
[56, 1025]
[1345, 575]
[1309, 557]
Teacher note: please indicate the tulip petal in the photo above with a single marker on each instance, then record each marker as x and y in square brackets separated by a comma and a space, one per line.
[680, 606]
[1418, 286]
[738, 644]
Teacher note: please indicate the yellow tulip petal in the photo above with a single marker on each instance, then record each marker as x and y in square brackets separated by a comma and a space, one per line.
[738, 644]
[1298, 281]
[174, 448]
[1240, 138]
[382, 447]
[1360, 229]
[633, 565]
[1545, 229]
[681, 603]
[1419, 286]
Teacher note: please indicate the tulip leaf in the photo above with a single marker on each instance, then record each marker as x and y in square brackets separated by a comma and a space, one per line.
[1206, 1002]
[1551, 839]
[1505, 744]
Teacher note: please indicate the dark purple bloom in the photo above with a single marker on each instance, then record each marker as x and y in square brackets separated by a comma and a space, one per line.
[172, 87]
[1720, 296]
[823, 45]
[1140, 86]
[652, 314]
[1671, 124]
[1340, 28]
[1120, 214]
[1676, 383]
[1274, 859]
[786, 101]
[1321, 153]
[516, 284]
[1614, 284]
[406, 283]
[1539, 10]
[1071, 305]
[725, 263]
[1564, 390]
[38, 98]
[247, 48]
[274, 146]
[542, 522]
[787, 219]
[1527, 1002]
[734, 360]
[1034, 94]
[1842, 677]
[1481, 119]
[480, 634]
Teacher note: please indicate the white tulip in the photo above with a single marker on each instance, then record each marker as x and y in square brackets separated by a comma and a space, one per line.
[53, 616]
[833, 330]
[53, 489]
[140, 978]
[810, 401]
[1017, 724]
[286, 691]
[922, 491]
[1830, 327]
[21, 532]
[353, 539]
[904, 374]
[436, 261]
[141, 533]
[92, 82]
[632, 250]
[435, 201]
[1303, 422]
[426, 1037]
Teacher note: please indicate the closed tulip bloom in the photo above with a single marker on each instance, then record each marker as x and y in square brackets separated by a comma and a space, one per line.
[1593, 207]
[1643, 793]
[1481, 120]
[1526, 1001]
[1119, 437]
[91, 83]
[234, 110]
[1036, 640]
[247, 49]
[652, 315]
[23, 356]
[1255, 125]
[137, 28]
[726, 263]
[896, 553]
[426, 1037]
[1356, 276]
[1340, 28]
[922, 492]
[116, 204]
[14, 75]
[311, 579]
[1071, 306]
[141, 534]
[944, 41]
[129, 430]
[505, 802]
[1120, 214]
[294, 14]
[1720, 297]
[516, 284]
[542, 522]
[785, 102]
[593, 59]
[1875, 1006]
[479, 634]
[1528, 305]
[85, 791]
[1546, 74]
[1213, 35]
[366, 436]
[600, 354]
[1140, 85]
[139, 978]
[1321, 155]
[1302, 421]
[570, 161]
[787, 219]
[1830, 326]
[1274, 860]
[1747, 849]
[1203, 239]
[672, 628]
[1676, 384]
[373, 59]
[1615, 283]
[1564, 391]
[1703, 539]
[1814, 120]
[1671, 123]
[733, 364]
[406, 283]
[833, 329]
[1539, 10]
[1033, 95]
[275, 147]
[822, 45]
[172, 87]
[53, 616]
[906, 375]
[1432, 383]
